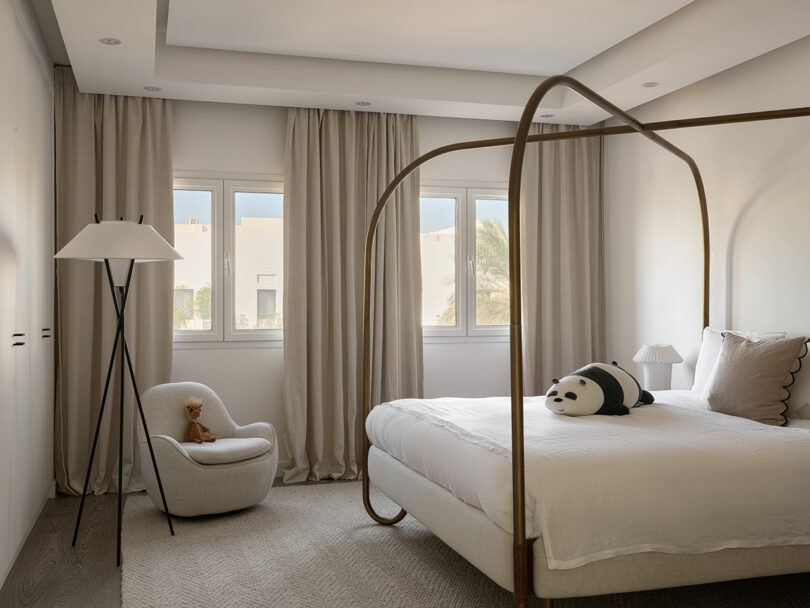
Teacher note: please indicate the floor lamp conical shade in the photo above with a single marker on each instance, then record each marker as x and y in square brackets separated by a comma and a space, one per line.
[119, 242]
[119, 245]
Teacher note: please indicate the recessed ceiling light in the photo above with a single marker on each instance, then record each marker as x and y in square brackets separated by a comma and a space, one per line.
[151, 88]
[547, 116]
[110, 41]
[650, 84]
[362, 103]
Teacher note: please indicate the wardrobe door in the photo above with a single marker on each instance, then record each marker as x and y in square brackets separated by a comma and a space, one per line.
[8, 281]
[40, 238]
[20, 486]
[8, 352]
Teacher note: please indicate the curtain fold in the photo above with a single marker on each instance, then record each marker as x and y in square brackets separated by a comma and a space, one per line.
[337, 165]
[114, 158]
[562, 257]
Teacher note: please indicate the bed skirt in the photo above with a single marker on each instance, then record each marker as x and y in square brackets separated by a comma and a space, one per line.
[486, 546]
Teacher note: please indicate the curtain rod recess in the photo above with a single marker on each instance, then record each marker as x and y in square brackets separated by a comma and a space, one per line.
[682, 123]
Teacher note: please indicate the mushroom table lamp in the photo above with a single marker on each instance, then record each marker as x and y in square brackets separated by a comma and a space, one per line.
[657, 360]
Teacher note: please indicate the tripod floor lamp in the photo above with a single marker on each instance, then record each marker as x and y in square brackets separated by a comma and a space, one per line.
[119, 245]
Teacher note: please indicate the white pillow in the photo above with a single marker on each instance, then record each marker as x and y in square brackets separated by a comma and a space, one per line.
[710, 352]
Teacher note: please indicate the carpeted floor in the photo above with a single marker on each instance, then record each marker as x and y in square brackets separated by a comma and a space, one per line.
[314, 547]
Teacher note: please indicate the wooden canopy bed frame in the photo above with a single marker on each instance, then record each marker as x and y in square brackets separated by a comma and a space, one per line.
[530, 574]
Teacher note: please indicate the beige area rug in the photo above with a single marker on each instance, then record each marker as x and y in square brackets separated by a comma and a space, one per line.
[313, 546]
[303, 546]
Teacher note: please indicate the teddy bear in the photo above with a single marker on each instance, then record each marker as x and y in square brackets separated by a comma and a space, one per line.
[598, 388]
[196, 431]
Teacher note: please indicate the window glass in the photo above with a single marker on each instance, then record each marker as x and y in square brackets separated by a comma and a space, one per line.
[257, 267]
[192, 274]
[491, 262]
[266, 306]
[437, 217]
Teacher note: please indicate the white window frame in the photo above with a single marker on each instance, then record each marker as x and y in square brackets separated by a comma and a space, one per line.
[223, 220]
[474, 330]
[231, 333]
[215, 187]
[465, 328]
[460, 328]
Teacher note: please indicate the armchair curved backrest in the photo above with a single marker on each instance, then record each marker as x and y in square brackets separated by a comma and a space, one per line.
[164, 408]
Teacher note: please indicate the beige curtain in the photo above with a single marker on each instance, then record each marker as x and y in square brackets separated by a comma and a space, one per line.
[114, 158]
[338, 163]
[562, 258]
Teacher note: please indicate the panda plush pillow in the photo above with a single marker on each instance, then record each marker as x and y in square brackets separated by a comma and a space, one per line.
[598, 388]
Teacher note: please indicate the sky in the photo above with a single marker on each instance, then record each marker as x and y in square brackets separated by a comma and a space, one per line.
[438, 213]
[197, 203]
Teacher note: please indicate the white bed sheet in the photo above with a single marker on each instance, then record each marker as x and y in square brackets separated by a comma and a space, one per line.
[671, 477]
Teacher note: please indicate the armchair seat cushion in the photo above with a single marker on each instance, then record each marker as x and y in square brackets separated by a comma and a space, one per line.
[227, 450]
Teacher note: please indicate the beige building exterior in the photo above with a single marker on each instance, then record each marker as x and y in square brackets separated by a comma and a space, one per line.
[257, 271]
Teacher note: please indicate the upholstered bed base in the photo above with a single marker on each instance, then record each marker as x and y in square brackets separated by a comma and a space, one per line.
[486, 546]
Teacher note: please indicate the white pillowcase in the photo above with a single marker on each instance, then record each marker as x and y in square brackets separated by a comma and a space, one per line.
[710, 352]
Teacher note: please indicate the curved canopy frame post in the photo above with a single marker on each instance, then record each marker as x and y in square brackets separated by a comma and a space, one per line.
[522, 561]
[522, 555]
[523, 582]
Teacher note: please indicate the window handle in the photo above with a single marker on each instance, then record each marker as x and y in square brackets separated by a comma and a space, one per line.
[228, 265]
[471, 265]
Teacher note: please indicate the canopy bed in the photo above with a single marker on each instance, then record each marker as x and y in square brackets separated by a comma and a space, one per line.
[428, 468]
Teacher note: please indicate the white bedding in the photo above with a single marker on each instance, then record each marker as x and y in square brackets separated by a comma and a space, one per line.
[670, 477]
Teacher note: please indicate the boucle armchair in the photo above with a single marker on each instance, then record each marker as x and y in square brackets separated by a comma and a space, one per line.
[234, 472]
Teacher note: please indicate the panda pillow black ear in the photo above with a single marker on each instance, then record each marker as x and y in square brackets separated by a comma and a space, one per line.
[555, 381]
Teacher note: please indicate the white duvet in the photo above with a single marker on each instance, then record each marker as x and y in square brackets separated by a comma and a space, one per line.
[670, 477]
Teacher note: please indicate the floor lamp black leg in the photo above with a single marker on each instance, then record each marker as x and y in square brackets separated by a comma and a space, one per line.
[95, 437]
[120, 432]
[148, 438]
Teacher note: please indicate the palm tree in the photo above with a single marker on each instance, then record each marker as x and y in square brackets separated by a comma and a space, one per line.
[492, 277]
[492, 273]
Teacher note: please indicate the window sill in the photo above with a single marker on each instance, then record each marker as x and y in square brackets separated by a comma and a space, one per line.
[464, 339]
[223, 345]
[246, 344]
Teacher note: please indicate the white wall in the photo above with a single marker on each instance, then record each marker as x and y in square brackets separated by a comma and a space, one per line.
[26, 277]
[232, 141]
[240, 141]
[757, 178]
[466, 368]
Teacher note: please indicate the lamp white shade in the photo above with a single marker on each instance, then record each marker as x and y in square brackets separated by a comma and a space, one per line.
[657, 353]
[119, 242]
[657, 360]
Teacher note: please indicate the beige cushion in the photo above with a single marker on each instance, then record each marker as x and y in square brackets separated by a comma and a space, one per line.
[710, 352]
[750, 377]
[225, 451]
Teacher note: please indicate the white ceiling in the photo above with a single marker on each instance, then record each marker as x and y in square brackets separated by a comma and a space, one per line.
[464, 58]
[516, 36]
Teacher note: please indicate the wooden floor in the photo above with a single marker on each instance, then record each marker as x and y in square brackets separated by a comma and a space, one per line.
[49, 573]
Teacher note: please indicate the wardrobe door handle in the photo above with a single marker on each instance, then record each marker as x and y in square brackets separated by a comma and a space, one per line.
[46, 336]
[17, 335]
[46, 329]
[18, 344]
